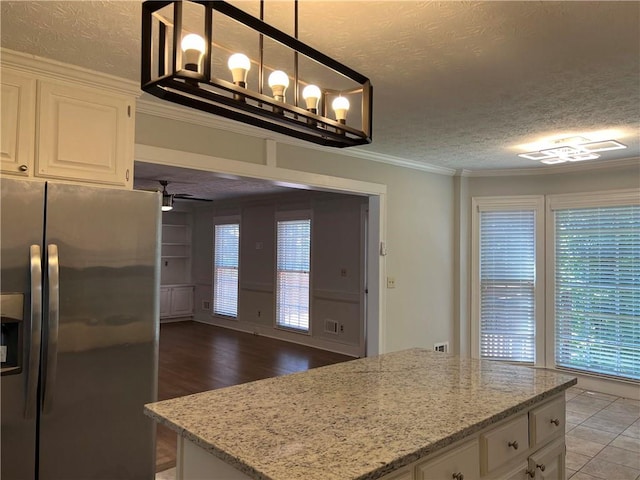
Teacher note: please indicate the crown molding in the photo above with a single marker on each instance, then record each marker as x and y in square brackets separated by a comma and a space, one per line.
[552, 169]
[149, 106]
[41, 67]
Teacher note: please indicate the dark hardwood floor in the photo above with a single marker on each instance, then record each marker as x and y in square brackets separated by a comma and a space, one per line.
[194, 357]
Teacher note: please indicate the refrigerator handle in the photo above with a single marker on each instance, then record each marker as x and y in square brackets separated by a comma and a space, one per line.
[35, 270]
[53, 274]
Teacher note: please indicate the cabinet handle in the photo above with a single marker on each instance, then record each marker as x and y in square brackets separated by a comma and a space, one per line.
[513, 444]
[555, 421]
[531, 473]
[458, 476]
[541, 467]
[23, 168]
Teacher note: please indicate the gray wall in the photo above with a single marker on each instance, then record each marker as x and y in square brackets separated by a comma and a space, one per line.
[337, 266]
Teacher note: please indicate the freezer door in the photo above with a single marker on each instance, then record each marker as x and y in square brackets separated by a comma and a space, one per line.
[21, 226]
[100, 357]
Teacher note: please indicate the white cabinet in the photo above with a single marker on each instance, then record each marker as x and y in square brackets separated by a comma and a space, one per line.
[548, 463]
[462, 463]
[18, 122]
[65, 123]
[84, 134]
[526, 446]
[176, 301]
[505, 443]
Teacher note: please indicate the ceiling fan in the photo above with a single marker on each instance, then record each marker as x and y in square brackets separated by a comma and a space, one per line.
[167, 198]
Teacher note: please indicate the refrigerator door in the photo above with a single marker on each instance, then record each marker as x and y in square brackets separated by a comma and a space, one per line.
[100, 356]
[22, 221]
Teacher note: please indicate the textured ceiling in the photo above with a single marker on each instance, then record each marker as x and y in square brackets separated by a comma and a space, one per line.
[200, 184]
[456, 84]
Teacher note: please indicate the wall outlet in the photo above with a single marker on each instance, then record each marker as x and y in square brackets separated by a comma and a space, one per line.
[391, 282]
[343, 272]
[441, 347]
[206, 305]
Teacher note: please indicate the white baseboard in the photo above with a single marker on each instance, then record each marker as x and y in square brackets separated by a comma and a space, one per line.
[350, 350]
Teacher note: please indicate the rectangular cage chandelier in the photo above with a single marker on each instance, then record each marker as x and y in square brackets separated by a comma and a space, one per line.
[200, 54]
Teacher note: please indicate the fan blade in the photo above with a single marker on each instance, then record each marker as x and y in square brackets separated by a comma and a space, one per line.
[186, 196]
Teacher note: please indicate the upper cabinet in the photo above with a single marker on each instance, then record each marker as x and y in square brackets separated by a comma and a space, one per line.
[18, 122]
[75, 125]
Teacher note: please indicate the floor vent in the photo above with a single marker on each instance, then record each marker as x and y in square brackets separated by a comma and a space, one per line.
[331, 326]
[441, 347]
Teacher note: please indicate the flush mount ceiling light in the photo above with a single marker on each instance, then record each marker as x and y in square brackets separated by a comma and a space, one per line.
[191, 55]
[572, 149]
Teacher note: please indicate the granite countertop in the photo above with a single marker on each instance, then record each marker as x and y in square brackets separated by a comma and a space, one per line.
[355, 420]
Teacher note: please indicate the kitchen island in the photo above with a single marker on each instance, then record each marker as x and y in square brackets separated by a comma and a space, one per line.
[414, 414]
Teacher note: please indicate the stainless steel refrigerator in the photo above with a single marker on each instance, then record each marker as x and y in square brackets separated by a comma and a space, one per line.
[79, 282]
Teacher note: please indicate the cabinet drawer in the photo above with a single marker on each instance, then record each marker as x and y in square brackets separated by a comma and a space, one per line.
[504, 443]
[461, 462]
[547, 421]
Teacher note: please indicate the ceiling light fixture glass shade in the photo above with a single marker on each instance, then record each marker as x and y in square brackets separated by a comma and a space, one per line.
[189, 73]
[167, 202]
[574, 149]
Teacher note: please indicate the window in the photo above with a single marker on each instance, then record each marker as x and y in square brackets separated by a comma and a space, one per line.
[506, 310]
[293, 268]
[597, 285]
[225, 270]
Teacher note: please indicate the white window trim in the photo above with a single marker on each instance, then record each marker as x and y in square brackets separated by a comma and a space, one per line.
[480, 204]
[280, 216]
[224, 220]
[567, 201]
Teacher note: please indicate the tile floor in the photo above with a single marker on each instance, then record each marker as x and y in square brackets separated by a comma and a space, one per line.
[603, 437]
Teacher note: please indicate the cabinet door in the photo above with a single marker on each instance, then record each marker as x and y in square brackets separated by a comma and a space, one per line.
[17, 122]
[462, 462]
[165, 302]
[84, 134]
[181, 301]
[548, 462]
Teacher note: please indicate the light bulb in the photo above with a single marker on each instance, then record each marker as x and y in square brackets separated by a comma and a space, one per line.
[311, 95]
[193, 47]
[340, 106]
[278, 81]
[239, 64]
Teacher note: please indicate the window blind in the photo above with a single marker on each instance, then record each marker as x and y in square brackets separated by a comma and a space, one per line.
[597, 290]
[507, 285]
[293, 262]
[225, 272]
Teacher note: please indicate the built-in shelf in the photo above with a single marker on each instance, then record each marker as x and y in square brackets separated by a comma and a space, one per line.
[176, 248]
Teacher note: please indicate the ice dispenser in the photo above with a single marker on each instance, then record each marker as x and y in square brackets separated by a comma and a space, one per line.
[11, 326]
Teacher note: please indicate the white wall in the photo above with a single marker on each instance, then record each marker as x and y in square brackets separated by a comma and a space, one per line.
[419, 221]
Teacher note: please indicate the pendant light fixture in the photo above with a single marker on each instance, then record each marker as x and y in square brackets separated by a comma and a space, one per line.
[167, 198]
[181, 64]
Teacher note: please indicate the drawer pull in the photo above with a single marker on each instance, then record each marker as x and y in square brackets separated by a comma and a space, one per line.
[513, 444]
[457, 476]
[555, 421]
[23, 168]
[541, 467]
